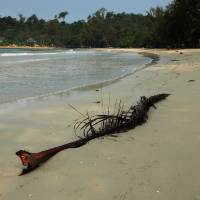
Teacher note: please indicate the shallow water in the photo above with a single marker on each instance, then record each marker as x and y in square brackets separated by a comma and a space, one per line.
[26, 73]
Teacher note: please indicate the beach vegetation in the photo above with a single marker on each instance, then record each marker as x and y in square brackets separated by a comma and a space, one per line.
[177, 25]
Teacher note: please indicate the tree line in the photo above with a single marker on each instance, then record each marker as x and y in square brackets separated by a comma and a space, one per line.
[176, 25]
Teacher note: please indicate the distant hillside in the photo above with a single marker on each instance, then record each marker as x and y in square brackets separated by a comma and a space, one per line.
[178, 25]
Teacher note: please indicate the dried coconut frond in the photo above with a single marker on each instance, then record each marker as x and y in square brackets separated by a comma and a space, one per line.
[109, 124]
[119, 122]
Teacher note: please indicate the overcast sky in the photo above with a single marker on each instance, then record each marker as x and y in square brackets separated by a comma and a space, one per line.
[77, 9]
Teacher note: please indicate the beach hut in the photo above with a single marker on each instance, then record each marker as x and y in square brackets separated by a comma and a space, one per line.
[31, 41]
[2, 38]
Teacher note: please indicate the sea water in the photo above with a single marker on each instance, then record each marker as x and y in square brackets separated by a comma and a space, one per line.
[31, 73]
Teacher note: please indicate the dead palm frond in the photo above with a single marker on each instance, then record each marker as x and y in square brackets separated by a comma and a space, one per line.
[94, 127]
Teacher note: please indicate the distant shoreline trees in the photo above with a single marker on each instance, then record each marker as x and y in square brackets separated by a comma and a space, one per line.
[176, 25]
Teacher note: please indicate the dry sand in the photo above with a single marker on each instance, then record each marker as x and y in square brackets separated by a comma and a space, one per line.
[158, 160]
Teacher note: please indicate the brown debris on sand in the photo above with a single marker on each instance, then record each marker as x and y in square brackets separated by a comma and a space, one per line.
[122, 121]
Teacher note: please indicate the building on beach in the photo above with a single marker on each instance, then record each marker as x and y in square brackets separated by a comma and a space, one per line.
[32, 41]
[2, 38]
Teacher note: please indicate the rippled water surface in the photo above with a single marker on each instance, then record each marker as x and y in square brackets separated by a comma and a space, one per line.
[32, 73]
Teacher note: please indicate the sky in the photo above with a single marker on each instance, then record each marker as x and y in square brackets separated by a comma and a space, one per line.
[77, 9]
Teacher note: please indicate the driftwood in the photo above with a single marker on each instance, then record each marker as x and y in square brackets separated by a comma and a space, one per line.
[109, 124]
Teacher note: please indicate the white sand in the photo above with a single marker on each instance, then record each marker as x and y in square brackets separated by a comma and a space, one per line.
[158, 160]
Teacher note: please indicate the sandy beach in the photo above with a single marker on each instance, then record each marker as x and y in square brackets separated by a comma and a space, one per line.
[158, 160]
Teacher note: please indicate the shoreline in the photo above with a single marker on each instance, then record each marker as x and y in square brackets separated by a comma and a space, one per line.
[154, 58]
[158, 160]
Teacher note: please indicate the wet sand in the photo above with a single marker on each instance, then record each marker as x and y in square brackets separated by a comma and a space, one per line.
[157, 160]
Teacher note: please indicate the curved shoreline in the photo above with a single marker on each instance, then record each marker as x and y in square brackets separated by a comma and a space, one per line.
[97, 85]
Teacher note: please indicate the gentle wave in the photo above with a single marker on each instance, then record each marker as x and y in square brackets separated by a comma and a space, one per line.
[26, 54]
[24, 61]
[47, 53]
[77, 87]
[81, 52]
[70, 52]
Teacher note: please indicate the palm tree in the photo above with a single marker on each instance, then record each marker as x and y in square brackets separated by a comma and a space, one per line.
[63, 15]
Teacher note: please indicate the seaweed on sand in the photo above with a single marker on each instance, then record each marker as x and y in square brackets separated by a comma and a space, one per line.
[120, 122]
